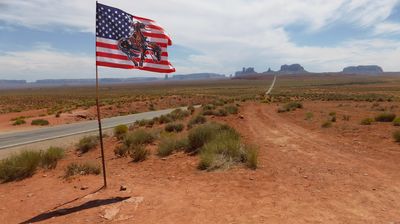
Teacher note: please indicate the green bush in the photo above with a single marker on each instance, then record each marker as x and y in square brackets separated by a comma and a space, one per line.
[121, 150]
[396, 121]
[208, 107]
[164, 119]
[199, 119]
[174, 127]
[145, 122]
[290, 107]
[226, 149]
[367, 121]
[232, 109]
[82, 169]
[396, 135]
[120, 131]
[19, 122]
[202, 134]
[385, 117]
[19, 166]
[138, 137]
[327, 124]
[87, 143]
[138, 153]
[168, 145]
[221, 112]
[50, 157]
[178, 114]
[40, 122]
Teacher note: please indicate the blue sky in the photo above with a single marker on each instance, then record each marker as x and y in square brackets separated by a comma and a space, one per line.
[40, 39]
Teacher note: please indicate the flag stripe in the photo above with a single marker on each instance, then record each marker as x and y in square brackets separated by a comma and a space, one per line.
[164, 54]
[124, 57]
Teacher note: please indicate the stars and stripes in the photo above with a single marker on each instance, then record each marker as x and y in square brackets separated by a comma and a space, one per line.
[112, 24]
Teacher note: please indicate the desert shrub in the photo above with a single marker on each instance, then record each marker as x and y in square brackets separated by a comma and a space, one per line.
[164, 119]
[151, 107]
[19, 166]
[208, 107]
[309, 116]
[120, 131]
[168, 145]
[145, 122]
[290, 107]
[174, 127]
[121, 150]
[219, 102]
[332, 113]
[327, 124]
[40, 122]
[332, 118]
[221, 112]
[226, 149]
[87, 143]
[178, 114]
[138, 153]
[82, 169]
[251, 157]
[138, 137]
[231, 109]
[191, 109]
[396, 136]
[199, 119]
[346, 117]
[207, 112]
[367, 121]
[396, 121]
[50, 157]
[202, 134]
[385, 117]
[19, 122]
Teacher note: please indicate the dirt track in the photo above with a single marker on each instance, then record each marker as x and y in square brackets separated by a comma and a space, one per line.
[305, 176]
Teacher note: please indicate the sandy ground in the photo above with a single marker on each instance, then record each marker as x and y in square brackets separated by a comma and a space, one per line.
[345, 174]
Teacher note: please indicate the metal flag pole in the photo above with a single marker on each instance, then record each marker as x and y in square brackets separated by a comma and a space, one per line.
[99, 118]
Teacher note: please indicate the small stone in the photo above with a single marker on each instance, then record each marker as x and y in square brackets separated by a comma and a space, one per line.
[164, 158]
[365, 174]
[251, 178]
[241, 116]
[29, 195]
[122, 188]
[44, 175]
[305, 177]
[84, 188]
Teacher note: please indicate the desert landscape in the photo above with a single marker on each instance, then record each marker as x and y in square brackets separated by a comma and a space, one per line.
[320, 149]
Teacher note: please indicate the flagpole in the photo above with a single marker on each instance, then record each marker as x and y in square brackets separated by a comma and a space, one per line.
[99, 119]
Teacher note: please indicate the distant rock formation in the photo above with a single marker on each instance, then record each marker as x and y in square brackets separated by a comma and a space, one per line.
[12, 82]
[292, 69]
[198, 76]
[245, 71]
[363, 69]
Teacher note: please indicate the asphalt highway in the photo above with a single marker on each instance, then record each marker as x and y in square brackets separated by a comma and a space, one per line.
[13, 139]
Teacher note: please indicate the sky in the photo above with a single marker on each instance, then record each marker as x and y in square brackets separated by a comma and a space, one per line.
[44, 39]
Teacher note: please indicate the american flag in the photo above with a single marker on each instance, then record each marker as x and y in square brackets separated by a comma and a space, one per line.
[113, 25]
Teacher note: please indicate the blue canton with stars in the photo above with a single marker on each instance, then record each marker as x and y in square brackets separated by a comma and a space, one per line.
[112, 23]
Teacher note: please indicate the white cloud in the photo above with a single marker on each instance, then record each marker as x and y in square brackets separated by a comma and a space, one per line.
[229, 34]
[387, 28]
[44, 63]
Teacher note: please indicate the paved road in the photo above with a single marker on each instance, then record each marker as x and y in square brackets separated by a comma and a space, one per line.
[8, 140]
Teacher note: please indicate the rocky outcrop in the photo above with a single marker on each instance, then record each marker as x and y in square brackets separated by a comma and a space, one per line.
[292, 69]
[363, 69]
[245, 71]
